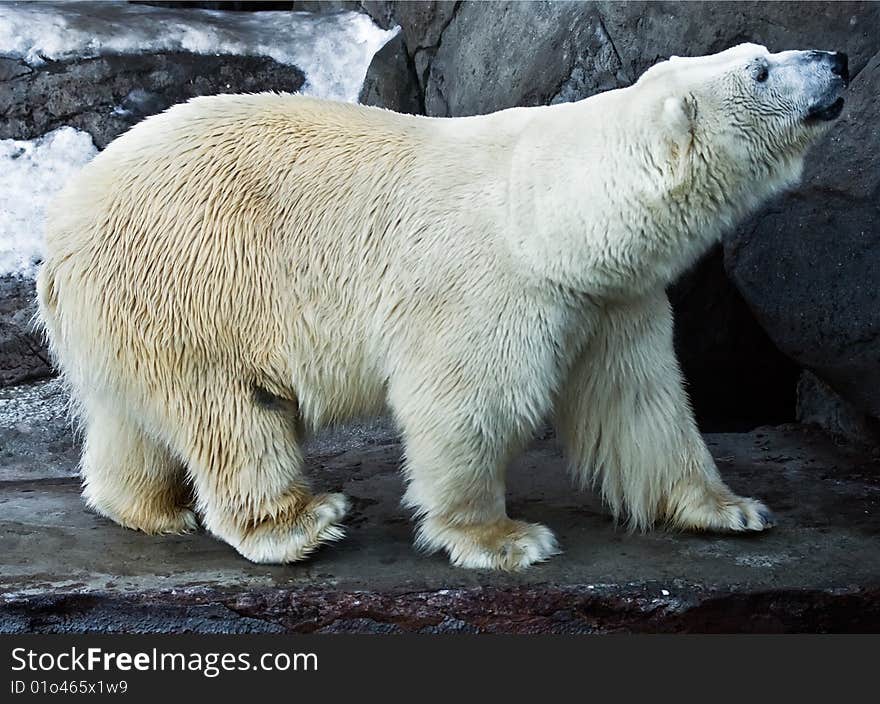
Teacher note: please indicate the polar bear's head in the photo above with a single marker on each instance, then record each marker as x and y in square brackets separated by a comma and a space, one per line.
[746, 113]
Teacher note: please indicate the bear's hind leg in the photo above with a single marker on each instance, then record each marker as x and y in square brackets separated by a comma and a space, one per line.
[131, 478]
[456, 486]
[246, 467]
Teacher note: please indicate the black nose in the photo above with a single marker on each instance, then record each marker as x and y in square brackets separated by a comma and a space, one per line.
[840, 65]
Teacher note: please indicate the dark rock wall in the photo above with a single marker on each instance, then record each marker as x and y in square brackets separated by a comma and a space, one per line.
[737, 379]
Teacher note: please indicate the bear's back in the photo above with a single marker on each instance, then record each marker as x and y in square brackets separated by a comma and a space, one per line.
[219, 213]
[239, 149]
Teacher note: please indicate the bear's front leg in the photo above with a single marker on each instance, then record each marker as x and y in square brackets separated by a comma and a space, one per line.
[628, 428]
[457, 452]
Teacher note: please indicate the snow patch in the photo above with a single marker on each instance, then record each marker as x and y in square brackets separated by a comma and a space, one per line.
[31, 172]
[334, 51]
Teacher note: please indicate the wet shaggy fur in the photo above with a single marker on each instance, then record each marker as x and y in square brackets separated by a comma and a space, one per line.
[241, 270]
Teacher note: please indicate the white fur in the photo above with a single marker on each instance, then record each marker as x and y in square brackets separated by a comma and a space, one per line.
[240, 270]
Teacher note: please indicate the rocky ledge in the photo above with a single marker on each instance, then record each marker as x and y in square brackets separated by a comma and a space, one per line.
[63, 569]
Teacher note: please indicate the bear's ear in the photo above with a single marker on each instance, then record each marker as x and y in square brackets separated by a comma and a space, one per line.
[679, 118]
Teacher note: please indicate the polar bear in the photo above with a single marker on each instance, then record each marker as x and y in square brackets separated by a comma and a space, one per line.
[240, 270]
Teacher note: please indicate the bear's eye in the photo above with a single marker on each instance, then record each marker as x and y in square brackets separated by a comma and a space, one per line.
[761, 73]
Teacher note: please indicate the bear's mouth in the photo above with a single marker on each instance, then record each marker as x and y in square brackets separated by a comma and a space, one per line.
[824, 113]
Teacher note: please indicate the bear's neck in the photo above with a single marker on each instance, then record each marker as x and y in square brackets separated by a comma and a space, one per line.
[592, 210]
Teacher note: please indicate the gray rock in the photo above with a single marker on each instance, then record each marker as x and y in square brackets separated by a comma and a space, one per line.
[391, 80]
[498, 55]
[105, 96]
[646, 32]
[22, 353]
[381, 12]
[817, 403]
[809, 266]
[12, 68]
[422, 24]
[36, 442]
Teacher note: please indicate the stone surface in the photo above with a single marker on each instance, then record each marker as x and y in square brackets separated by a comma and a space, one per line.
[809, 265]
[105, 96]
[63, 569]
[391, 80]
[498, 55]
[35, 440]
[23, 355]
